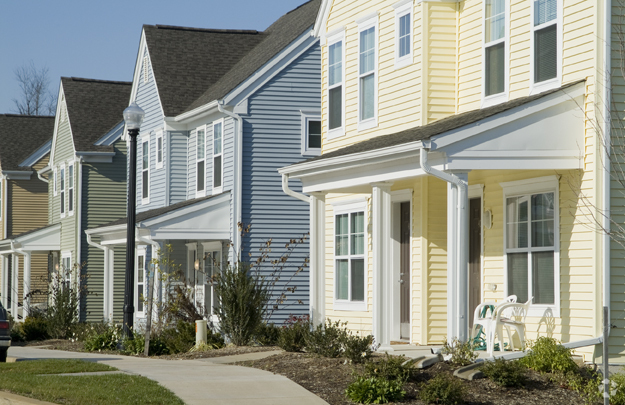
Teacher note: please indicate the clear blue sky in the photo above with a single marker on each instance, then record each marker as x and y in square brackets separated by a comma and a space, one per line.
[100, 39]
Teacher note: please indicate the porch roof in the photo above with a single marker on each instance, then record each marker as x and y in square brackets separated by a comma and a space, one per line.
[41, 239]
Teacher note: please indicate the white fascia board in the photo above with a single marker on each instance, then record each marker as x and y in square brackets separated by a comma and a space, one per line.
[57, 117]
[44, 239]
[96, 157]
[44, 170]
[36, 155]
[321, 21]
[171, 124]
[113, 135]
[106, 229]
[268, 71]
[200, 206]
[505, 117]
[137, 75]
[197, 113]
[184, 234]
[17, 174]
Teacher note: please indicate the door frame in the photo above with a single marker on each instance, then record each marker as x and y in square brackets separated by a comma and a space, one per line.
[397, 197]
[477, 191]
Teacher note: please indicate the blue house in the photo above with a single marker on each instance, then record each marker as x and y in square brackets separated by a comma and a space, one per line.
[224, 110]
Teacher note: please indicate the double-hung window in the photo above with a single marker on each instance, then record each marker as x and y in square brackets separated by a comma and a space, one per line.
[403, 35]
[546, 58]
[336, 91]
[159, 150]
[65, 272]
[55, 181]
[531, 242]
[495, 51]
[140, 292]
[200, 162]
[145, 170]
[349, 258]
[70, 189]
[62, 197]
[212, 267]
[218, 162]
[311, 133]
[367, 73]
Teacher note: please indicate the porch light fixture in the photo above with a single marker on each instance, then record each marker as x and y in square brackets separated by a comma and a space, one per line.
[133, 117]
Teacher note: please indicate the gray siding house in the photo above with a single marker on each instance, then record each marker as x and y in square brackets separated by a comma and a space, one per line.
[224, 110]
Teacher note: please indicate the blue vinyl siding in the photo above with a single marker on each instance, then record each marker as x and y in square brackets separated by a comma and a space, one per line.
[177, 166]
[272, 139]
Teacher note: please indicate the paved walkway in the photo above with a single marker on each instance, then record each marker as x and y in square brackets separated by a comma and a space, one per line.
[204, 381]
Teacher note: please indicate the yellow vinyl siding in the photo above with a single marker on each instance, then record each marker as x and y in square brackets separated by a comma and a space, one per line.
[469, 56]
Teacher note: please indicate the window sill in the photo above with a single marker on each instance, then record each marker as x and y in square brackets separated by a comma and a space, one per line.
[543, 311]
[403, 62]
[311, 152]
[145, 202]
[199, 194]
[537, 88]
[494, 99]
[350, 306]
[367, 124]
[336, 132]
[218, 190]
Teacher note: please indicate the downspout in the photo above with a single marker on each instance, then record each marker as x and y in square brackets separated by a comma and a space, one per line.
[41, 177]
[294, 194]
[606, 158]
[461, 294]
[238, 168]
[107, 286]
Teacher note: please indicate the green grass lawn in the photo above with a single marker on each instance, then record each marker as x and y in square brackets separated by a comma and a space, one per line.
[29, 378]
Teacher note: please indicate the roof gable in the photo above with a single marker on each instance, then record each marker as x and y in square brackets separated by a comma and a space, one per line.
[21, 136]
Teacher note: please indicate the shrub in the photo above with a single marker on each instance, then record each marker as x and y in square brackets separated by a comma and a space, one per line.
[505, 373]
[358, 348]
[442, 389]
[293, 335]
[243, 298]
[462, 354]
[136, 345]
[587, 383]
[394, 368]
[267, 334]
[35, 327]
[62, 313]
[617, 395]
[178, 339]
[374, 390]
[547, 356]
[327, 340]
[102, 337]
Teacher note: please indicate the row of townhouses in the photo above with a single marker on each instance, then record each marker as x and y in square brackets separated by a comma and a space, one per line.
[440, 154]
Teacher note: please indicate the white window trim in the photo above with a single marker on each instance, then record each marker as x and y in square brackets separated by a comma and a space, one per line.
[340, 131]
[145, 138]
[401, 9]
[55, 181]
[534, 186]
[495, 99]
[2, 194]
[369, 122]
[348, 207]
[67, 254]
[306, 117]
[218, 190]
[71, 199]
[62, 191]
[159, 136]
[213, 247]
[141, 251]
[536, 88]
[204, 128]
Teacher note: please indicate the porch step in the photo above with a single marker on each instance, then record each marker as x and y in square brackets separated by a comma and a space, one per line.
[427, 361]
[470, 372]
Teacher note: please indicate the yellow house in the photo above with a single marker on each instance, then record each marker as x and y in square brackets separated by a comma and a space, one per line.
[462, 161]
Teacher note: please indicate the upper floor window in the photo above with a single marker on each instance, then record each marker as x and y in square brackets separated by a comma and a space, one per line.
[495, 49]
[546, 52]
[218, 164]
[403, 35]
[145, 170]
[70, 189]
[335, 86]
[200, 162]
[55, 181]
[159, 150]
[367, 74]
[62, 199]
[311, 134]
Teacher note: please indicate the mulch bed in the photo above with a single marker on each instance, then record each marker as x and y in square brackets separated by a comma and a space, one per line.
[328, 379]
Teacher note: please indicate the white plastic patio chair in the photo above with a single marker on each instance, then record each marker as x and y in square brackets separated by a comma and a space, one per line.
[482, 318]
[509, 316]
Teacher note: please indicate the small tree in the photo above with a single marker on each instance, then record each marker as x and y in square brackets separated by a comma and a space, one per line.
[35, 99]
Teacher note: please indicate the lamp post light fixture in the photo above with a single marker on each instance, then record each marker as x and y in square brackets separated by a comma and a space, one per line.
[133, 116]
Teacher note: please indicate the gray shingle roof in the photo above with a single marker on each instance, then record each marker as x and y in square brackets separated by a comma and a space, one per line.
[20, 136]
[187, 61]
[281, 33]
[433, 129]
[93, 108]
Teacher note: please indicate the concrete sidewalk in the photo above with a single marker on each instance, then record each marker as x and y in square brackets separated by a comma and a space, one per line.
[205, 381]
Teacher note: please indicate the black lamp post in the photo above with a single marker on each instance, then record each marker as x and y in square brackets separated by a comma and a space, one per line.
[133, 116]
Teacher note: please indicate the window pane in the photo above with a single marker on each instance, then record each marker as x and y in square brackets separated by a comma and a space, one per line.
[495, 24]
[140, 269]
[71, 176]
[62, 179]
[335, 108]
[517, 275]
[358, 280]
[217, 137]
[159, 150]
[201, 144]
[367, 50]
[145, 155]
[357, 233]
[217, 171]
[404, 35]
[140, 298]
[495, 69]
[367, 90]
[516, 227]
[335, 54]
[200, 176]
[145, 185]
[544, 11]
[342, 235]
[342, 280]
[542, 277]
[545, 54]
[314, 134]
[71, 199]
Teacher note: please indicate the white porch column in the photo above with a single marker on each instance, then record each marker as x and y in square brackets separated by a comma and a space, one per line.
[4, 282]
[317, 258]
[15, 269]
[26, 288]
[382, 255]
[108, 295]
[452, 261]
